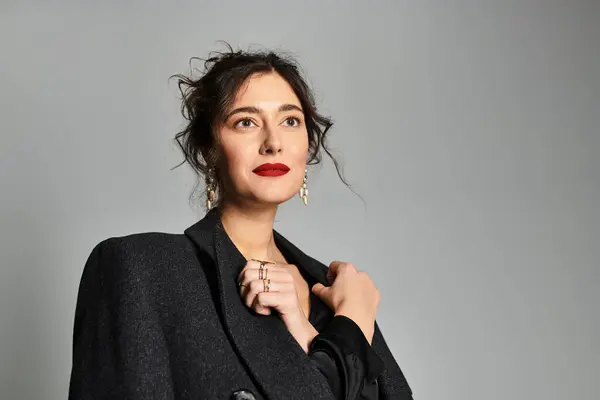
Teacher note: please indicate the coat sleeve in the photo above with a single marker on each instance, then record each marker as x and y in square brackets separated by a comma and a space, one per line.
[118, 348]
[344, 356]
[392, 383]
[354, 368]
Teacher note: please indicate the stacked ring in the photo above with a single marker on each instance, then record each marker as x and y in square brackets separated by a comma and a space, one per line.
[267, 285]
[260, 270]
[262, 273]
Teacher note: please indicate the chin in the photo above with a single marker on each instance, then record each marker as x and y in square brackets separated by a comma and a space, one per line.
[274, 197]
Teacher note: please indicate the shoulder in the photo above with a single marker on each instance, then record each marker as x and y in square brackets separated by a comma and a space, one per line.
[144, 244]
[137, 257]
[136, 276]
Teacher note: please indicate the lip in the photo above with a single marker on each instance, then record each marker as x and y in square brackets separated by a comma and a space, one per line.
[269, 169]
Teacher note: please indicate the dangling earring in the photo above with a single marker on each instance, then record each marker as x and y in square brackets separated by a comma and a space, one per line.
[210, 188]
[304, 190]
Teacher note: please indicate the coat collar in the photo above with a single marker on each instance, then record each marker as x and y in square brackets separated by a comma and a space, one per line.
[277, 363]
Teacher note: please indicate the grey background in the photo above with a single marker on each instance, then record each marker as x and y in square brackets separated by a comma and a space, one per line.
[470, 128]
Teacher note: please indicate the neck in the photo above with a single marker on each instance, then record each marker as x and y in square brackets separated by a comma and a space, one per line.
[251, 230]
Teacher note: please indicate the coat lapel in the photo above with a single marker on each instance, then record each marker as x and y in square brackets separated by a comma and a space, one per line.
[275, 360]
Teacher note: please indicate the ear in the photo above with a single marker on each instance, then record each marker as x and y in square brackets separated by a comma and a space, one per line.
[211, 155]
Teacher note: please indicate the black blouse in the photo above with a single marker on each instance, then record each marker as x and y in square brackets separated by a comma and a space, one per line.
[341, 351]
[343, 354]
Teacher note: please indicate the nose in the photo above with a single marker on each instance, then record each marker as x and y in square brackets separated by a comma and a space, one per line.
[272, 142]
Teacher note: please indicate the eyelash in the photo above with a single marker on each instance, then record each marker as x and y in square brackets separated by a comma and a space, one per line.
[298, 122]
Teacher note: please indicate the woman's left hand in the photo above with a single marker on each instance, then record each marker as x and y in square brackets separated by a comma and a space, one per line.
[282, 296]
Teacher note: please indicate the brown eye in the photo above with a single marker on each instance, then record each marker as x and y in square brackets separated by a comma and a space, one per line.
[292, 122]
[244, 123]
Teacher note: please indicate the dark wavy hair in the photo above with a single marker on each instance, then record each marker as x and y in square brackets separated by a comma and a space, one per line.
[206, 100]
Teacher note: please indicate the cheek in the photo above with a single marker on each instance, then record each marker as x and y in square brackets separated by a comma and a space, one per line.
[304, 144]
[236, 158]
[299, 147]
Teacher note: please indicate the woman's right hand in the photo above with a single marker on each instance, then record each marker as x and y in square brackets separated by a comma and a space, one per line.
[352, 293]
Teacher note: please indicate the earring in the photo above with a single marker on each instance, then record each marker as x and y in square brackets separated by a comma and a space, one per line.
[304, 190]
[210, 188]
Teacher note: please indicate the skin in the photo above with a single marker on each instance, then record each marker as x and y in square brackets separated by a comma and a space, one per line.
[265, 124]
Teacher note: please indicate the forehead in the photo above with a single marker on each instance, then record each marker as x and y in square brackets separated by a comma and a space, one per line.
[268, 90]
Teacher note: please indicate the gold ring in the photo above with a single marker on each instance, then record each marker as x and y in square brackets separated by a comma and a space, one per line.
[267, 285]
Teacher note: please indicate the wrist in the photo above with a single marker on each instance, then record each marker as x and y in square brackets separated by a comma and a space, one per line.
[301, 329]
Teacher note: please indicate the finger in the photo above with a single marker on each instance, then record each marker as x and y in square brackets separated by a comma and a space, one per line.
[258, 286]
[339, 267]
[259, 308]
[249, 298]
[244, 289]
[262, 310]
[250, 264]
[334, 270]
[271, 272]
[319, 289]
[253, 266]
[272, 299]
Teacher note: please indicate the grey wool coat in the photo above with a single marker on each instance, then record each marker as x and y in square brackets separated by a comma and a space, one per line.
[159, 316]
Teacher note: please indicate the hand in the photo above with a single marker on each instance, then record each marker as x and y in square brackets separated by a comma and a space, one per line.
[352, 294]
[282, 296]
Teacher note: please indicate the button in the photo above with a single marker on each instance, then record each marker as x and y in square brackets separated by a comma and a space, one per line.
[243, 395]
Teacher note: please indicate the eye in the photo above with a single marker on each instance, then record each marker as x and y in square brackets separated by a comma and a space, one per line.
[244, 123]
[292, 122]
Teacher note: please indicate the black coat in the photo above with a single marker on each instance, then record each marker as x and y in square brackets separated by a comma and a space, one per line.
[159, 316]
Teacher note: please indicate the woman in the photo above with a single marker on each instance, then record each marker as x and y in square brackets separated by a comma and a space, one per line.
[230, 308]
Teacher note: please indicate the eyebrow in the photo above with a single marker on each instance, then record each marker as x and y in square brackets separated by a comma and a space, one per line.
[256, 110]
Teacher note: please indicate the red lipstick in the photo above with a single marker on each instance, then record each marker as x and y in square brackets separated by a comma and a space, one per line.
[267, 169]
